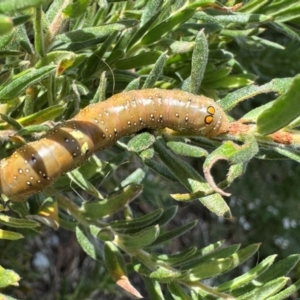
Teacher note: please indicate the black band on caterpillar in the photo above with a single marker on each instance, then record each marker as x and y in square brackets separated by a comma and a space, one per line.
[33, 167]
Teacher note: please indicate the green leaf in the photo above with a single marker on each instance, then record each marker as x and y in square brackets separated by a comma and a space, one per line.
[253, 5]
[182, 170]
[5, 39]
[167, 215]
[177, 292]
[282, 268]
[94, 64]
[212, 255]
[10, 235]
[6, 24]
[160, 169]
[141, 142]
[284, 110]
[210, 269]
[186, 149]
[144, 28]
[155, 72]
[164, 275]
[153, 288]
[85, 243]
[216, 204]
[178, 258]
[137, 224]
[166, 26]
[115, 265]
[287, 292]
[136, 177]
[275, 271]
[230, 82]
[279, 85]
[114, 261]
[76, 9]
[139, 60]
[43, 115]
[169, 235]
[17, 223]
[12, 122]
[231, 152]
[112, 204]
[247, 277]
[85, 38]
[199, 62]
[140, 239]
[150, 11]
[79, 179]
[267, 290]
[9, 6]
[56, 57]
[6, 297]
[8, 277]
[214, 16]
[23, 80]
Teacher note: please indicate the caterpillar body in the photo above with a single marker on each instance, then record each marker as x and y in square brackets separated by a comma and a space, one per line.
[36, 165]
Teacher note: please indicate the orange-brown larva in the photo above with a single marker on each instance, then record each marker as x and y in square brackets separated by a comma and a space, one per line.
[37, 165]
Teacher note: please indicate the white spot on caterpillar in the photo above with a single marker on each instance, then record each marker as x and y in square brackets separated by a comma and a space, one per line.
[133, 103]
[159, 99]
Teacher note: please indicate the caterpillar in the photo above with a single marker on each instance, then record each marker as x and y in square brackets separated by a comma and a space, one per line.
[36, 165]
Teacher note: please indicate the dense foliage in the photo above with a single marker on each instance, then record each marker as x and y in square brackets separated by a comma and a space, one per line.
[149, 214]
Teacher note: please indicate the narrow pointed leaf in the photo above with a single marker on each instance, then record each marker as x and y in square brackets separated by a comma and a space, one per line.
[10, 235]
[8, 277]
[85, 243]
[109, 206]
[137, 224]
[167, 25]
[284, 110]
[169, 235]
[165, 275]
[209, 269]
[186, 149]
[139, 240]
[267, 290]
[141, 142]
[22, 81]
[247, 277]
[153, 288]
[17, 223]
[177, 292]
